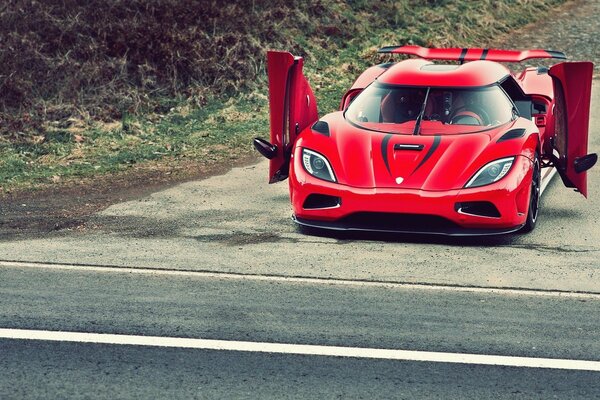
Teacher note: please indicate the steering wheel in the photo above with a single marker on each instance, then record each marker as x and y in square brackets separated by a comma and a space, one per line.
[471, 113]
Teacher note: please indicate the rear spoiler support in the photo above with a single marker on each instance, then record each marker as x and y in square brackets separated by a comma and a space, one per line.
[472, 54]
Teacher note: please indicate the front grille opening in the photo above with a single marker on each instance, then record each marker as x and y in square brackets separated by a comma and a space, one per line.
[315, 201]
[398, 222]
[478, 208]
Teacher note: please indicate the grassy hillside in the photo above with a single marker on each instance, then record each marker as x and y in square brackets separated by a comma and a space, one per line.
[89, 87]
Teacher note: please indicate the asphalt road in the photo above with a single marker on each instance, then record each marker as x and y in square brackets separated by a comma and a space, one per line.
[532, 325]
[236, 223]
[45, 370]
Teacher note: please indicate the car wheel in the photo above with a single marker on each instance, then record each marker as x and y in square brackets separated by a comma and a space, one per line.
[534, 198]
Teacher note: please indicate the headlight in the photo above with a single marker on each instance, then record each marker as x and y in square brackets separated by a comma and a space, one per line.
[317, 165]
[491, 172]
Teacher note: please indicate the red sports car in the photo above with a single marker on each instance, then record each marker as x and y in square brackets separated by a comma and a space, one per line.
[463, 148]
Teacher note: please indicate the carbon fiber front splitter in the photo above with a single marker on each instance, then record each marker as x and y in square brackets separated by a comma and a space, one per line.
[344, 226]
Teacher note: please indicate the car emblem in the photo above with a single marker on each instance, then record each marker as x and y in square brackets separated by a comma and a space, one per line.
[399, 180]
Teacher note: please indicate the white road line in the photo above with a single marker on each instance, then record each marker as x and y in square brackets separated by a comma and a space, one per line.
[301, 349]
[303, 280]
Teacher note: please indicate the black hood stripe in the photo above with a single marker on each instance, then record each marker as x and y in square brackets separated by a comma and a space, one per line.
[436, 142]
[463, 54]
[384, 152]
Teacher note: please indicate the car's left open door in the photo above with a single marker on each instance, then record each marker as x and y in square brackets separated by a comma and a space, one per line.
[572, 92]
[292, 107]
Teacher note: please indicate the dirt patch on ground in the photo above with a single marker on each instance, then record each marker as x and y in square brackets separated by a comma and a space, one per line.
[68, 205]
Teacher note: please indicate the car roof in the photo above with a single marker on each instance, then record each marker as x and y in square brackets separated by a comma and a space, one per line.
[419, 72]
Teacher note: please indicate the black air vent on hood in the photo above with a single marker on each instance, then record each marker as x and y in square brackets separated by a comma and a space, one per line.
[321, 127]
[512, 134]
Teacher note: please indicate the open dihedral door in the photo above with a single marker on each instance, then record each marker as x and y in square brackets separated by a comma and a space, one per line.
[292, 108]
[572, 91]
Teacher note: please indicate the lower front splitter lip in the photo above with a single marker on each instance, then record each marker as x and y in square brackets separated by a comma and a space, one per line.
[341, 226]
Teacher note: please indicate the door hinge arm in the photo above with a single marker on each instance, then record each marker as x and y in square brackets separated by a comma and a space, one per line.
[547, 161]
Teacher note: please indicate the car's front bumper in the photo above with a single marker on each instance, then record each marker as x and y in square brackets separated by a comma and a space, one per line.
[412, 210]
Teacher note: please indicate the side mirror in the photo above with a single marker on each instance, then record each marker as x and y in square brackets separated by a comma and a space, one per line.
[584, 163]
[265, 148]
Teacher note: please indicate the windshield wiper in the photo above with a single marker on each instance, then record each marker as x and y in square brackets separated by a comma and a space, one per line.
[420, 117]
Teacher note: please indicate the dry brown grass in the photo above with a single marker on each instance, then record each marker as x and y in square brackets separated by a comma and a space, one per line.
[61, 58]
[98, 60]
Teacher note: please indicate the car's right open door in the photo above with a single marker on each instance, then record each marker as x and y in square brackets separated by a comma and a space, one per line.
[572, 92]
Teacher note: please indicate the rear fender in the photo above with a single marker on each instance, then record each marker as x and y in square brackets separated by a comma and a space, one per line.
[364, 80]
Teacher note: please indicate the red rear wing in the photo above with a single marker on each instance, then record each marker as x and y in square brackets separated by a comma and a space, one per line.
[464, 54]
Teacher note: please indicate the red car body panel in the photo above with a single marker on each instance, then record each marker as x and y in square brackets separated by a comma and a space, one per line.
[535, 84]
[381, 174]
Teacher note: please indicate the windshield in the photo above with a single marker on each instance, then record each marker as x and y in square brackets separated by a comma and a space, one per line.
[395, 109]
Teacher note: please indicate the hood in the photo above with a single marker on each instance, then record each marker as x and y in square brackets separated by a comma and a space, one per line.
[369, 159]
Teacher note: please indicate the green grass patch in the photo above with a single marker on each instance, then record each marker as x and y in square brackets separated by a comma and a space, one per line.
[213, 133]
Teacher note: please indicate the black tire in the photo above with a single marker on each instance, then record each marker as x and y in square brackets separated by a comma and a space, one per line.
[534, 197]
